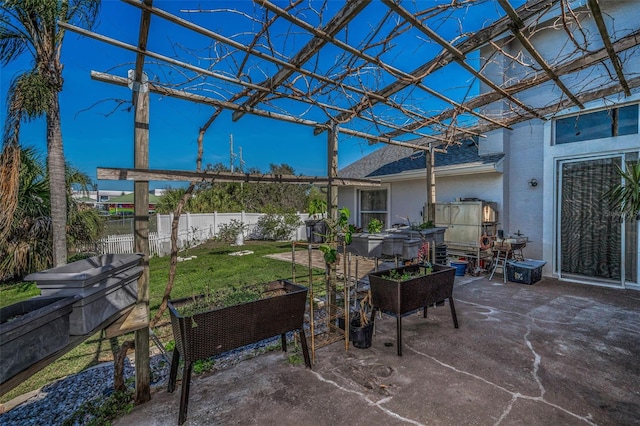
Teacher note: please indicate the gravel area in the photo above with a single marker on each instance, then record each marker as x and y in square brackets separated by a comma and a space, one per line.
[57, 401]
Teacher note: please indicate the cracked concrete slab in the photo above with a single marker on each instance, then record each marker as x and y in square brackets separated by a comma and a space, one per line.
[548, 353]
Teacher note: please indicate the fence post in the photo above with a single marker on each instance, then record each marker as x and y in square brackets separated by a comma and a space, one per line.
[188, 220]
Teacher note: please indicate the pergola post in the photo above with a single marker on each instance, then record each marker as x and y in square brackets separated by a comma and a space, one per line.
[332, 172]
[332, 215]
[431, 184]
[141, 234]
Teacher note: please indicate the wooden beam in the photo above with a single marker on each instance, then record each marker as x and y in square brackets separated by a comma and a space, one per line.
[105, 173]
[333, 27]
[143, 36]
[516, 29]
[604, 34]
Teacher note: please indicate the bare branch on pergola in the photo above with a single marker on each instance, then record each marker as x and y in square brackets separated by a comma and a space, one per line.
[530, 9]
[458, 56]
[604, 34]
[336, 24]
[517, 27]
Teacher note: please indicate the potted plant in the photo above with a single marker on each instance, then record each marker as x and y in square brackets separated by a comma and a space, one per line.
[208, 325]
[625, 196]
[402, 290]
[374, 226]
[315, 225]
[360, 326]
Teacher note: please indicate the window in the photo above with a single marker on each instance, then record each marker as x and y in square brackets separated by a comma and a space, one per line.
[596, 125]
[373, 204]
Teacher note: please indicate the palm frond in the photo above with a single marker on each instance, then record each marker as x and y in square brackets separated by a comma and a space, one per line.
[9, 186]
[624, 198]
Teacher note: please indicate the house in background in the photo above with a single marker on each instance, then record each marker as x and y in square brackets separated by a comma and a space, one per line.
[124, 205]
[547, 176]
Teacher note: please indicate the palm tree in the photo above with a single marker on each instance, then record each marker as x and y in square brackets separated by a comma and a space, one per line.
[25, 247]
[31, 27]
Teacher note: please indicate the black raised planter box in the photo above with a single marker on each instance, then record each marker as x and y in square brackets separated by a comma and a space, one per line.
[402, 297]
[32, 330]
[220, 330]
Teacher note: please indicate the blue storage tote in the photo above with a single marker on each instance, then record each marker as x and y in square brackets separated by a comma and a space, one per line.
[525, 271]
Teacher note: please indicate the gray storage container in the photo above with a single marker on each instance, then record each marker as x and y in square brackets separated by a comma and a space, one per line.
[84, 276]
[112, 296]
[32, 330]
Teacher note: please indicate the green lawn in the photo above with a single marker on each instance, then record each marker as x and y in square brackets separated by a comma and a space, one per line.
[213, 268]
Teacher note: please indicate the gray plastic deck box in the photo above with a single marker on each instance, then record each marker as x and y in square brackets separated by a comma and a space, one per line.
[106, 284]
[392, 244]
[32, 330]
[365, 244]
[118, 293]
[410, 248]
[84, 276]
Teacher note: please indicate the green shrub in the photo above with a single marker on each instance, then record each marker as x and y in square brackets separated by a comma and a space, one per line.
[228, 232]
[277, 227]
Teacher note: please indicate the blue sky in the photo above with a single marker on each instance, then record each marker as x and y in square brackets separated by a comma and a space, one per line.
[97, 129]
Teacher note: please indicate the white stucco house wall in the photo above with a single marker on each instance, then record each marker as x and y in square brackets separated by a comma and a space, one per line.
[533, 170]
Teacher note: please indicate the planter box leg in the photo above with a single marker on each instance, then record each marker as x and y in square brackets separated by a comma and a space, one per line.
[283, 339]
[173, 373]
[305, 349]
[184, 397]
[453, 312]
[399, 332]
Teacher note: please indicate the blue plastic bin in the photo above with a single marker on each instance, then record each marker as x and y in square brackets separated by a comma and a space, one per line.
[461, 267]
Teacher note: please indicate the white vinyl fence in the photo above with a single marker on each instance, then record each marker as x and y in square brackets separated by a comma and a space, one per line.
[193, 229]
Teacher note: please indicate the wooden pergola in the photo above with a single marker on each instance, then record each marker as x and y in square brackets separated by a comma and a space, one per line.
[359, 69]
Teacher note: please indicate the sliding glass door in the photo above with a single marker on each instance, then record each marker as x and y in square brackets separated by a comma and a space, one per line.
[590, 239]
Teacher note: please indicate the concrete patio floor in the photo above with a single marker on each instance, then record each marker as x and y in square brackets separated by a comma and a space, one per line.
[552, 353]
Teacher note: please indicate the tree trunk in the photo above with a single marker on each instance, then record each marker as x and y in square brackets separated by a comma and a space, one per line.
[57, 183]
[118, 366]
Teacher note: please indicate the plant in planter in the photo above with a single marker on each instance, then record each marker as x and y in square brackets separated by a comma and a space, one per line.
[317, 208]
[403, 290]
[360, 326]
[316, 227]
[252, 314]
[374, 226]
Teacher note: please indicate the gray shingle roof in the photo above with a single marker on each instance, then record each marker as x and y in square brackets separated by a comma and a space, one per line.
[391, 160]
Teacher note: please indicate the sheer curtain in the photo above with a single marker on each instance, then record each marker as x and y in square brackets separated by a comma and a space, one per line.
[590, 235]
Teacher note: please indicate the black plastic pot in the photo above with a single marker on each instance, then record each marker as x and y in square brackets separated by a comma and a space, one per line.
[360, 335]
